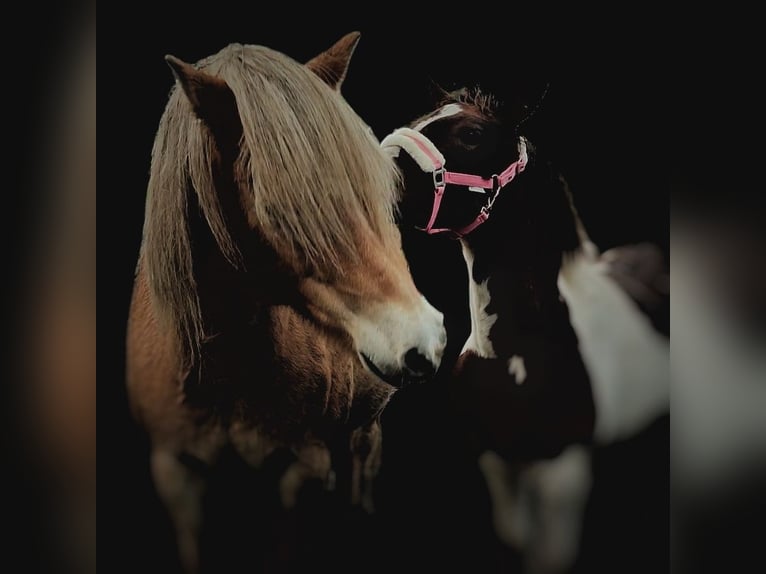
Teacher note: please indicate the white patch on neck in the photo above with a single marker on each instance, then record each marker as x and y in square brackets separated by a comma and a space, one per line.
[481, 322]
[627, 360]
[445, 112]
[518, 369]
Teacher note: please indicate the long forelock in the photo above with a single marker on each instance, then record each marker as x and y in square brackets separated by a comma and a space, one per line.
[317, 173]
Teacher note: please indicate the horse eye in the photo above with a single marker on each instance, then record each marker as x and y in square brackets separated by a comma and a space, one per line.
[470, 136]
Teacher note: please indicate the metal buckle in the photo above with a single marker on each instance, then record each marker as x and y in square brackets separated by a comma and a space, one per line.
[495, 184]
[439, 177]
[495, 192]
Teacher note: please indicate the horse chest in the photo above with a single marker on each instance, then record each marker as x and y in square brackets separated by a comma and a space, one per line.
[529, 356]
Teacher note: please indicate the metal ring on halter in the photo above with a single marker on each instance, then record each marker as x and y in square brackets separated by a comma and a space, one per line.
[495, 184]
[438, 175]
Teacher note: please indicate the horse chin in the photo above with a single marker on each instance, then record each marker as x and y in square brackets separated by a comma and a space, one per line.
[392, 379]
[397, 380]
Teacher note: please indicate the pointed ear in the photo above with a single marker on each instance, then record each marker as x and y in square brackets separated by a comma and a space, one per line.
[211, 98]
[332, 64]
[526, 102]
[436, 91]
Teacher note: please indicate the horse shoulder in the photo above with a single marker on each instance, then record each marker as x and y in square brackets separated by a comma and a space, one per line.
[153, 373]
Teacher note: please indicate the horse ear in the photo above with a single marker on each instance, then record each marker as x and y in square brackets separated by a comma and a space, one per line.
[525, 103]
[210, 97]
[332, 64]
[437, 92]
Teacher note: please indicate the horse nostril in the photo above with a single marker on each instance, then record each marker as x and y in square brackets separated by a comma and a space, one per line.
[417, 364]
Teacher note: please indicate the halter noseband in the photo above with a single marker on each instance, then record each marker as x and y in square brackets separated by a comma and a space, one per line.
[430, 160]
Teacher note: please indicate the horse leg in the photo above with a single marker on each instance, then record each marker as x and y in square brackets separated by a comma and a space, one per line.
[510, 514]
[561, 487]
[181, 490]
[366, 450]
[538, 508]
[313, 463]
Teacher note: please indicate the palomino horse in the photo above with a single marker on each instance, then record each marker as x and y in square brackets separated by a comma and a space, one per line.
[273, 307]
[559, 355]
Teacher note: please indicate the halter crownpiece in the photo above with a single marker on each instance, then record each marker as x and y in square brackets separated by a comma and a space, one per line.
[430, 160]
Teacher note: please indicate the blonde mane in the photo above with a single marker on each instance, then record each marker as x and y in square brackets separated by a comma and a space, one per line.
[316, 172]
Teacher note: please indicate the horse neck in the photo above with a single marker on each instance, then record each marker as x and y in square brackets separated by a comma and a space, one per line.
[234, 302]
[258, 331]
[289, 377]
[438, 271]
[514, 260]
[232, 294]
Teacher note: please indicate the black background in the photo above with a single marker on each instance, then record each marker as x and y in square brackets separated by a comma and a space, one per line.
[599, 123]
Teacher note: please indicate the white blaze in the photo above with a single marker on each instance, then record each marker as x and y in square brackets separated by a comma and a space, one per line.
[444, 112]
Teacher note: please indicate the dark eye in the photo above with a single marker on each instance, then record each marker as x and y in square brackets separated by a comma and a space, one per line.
[470, 136]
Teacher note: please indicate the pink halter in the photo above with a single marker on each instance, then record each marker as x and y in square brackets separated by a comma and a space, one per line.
[430, 160]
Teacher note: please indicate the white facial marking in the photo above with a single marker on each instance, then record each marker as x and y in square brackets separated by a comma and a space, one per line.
[517, 368]
[385, 332]
[445, 112]
[481, 322]
[627, 360]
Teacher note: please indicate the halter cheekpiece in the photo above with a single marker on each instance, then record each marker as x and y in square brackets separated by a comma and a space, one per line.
[430, 160]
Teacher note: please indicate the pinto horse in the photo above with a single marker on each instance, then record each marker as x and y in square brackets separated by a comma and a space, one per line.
[559, 354]
[273, 307]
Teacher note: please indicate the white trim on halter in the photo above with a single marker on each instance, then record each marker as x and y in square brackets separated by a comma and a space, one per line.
[427, 156]
[405, 138]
